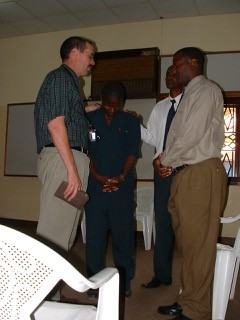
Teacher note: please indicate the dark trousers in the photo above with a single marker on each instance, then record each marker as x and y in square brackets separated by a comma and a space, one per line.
[163, 248]
[120, 220]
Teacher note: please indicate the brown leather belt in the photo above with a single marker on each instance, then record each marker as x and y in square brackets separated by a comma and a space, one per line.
[83, 150]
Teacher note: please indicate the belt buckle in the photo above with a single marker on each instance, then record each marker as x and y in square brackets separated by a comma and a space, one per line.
[85, 151]
[81, 149]
[178, 169]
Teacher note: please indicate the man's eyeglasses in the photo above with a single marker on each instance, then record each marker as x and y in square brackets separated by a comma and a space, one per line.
[90, 54]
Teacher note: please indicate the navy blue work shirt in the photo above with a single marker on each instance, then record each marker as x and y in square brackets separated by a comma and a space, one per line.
[118, 140]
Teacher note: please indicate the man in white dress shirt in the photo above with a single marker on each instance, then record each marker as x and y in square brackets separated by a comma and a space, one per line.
[155, 135]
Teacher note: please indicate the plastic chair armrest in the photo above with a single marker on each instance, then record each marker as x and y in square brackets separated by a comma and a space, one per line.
[102, 277]
[230, 219]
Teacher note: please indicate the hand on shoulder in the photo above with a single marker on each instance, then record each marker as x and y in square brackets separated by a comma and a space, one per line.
[93, 107]
[134, 113]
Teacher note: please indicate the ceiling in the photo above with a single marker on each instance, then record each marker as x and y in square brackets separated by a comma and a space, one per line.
[24, 17]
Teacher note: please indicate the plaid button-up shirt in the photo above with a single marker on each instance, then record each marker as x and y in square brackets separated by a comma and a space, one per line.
[59, 95]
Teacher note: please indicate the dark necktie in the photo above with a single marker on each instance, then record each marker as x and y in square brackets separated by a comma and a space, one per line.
[171, 114]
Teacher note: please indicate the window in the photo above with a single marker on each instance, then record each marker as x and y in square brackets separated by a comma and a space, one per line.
[231, 148]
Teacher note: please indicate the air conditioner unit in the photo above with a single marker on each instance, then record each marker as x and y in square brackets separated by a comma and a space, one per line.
[137, 69]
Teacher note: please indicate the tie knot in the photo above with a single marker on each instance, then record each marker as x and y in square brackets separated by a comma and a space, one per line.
[173, 101]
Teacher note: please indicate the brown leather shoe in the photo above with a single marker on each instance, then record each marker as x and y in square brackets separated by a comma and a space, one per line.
[155, 283]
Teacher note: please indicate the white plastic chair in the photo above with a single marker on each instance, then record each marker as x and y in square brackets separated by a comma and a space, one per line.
[145, 213]
[29, 270]
[225, 274]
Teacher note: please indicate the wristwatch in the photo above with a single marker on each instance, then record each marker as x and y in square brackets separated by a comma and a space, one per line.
[122, 177]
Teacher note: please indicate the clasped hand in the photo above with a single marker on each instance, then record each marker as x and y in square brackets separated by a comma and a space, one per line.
[109, 183]
[162, 170]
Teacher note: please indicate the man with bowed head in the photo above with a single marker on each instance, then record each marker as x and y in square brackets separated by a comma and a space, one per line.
[155, 134]
[198, 191]
[111, 186]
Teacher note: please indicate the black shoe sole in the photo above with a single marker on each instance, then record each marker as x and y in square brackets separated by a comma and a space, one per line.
[147, 286]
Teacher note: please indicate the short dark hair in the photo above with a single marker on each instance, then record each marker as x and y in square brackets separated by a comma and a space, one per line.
[194, 53]
[71, 43]
[114, 89]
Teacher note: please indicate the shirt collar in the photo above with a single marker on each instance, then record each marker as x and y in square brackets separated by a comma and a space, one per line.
[177, 99]
[70, 71]
[194, 81]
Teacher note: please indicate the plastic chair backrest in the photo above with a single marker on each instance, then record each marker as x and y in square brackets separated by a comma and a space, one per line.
[29, 270]
[236, 247]
[144, 199]
[145, 213]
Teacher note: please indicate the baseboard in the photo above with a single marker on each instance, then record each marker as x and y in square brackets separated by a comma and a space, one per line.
[18, 223]
[227, 240]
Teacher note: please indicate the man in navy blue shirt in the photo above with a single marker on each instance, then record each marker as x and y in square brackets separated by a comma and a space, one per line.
[111, 184]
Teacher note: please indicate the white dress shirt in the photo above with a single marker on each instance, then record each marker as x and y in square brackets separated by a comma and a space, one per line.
[154, 133]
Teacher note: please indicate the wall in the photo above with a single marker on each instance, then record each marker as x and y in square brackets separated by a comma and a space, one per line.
[24, 62]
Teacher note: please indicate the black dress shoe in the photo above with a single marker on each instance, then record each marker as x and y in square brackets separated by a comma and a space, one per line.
[172, 310]
[181, 317]
[155, 283]
[93, 293]
[128, 293]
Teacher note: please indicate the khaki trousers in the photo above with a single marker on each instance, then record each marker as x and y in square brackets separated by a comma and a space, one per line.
[58, 220]
[197, 200]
